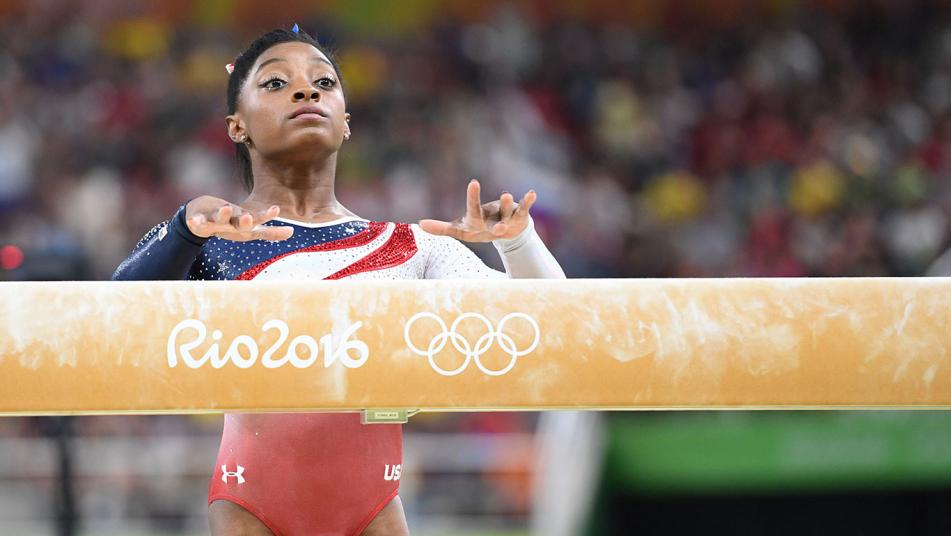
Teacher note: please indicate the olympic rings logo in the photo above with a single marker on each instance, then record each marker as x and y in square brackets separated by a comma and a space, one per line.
[463, 346]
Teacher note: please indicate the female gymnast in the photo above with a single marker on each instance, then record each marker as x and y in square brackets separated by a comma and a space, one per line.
[313, 473]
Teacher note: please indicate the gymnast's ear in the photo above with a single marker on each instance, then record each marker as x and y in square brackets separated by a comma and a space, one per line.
[236, 129]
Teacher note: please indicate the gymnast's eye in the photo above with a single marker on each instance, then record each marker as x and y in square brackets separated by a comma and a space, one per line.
[273, 83]
[326, 82]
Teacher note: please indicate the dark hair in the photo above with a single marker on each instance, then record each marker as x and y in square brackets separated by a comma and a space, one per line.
[242, 67]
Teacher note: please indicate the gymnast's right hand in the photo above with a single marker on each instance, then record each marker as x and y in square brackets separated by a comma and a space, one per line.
[208, 216]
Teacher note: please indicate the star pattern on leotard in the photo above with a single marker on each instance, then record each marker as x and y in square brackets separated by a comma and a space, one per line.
[221, 259]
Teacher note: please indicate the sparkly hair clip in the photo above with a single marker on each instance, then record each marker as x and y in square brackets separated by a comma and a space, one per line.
[296, 28]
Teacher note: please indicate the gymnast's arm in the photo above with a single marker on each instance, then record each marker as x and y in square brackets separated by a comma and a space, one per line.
[164, 253]
[169, 249]
[524, 257]
[506, 224]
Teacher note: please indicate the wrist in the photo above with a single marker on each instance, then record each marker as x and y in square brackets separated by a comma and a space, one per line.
[506, 245]
[180, 225]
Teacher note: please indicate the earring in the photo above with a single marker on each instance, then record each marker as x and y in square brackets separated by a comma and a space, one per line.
[346, 137]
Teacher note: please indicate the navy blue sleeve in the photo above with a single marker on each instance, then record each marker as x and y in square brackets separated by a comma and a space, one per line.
[164, 253]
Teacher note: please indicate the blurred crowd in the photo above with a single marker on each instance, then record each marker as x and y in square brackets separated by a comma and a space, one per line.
[665, 139]
[732, 138]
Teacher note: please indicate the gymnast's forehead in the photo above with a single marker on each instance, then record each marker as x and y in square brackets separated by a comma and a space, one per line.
[284, 54]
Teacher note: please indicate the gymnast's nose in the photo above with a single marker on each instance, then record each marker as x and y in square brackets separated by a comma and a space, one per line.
[306, 94]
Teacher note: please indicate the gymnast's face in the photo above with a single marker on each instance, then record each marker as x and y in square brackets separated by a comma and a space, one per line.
[291, 106]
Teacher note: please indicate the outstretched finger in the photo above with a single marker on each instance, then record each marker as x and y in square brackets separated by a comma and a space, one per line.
[243, 222]
[267, 215]
[222, 216]
[526, 203]
[474, 201]
[272, 233]
[440, 228]
[506, 206]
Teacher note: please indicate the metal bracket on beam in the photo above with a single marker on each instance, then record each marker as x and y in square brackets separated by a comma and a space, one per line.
[387, 416]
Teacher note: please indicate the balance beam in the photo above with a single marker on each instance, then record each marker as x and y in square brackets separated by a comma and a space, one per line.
[225, 346]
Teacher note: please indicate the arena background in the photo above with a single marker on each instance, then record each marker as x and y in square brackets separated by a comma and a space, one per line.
[701, 138]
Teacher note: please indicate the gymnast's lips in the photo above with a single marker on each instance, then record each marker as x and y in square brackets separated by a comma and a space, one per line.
[309, 112]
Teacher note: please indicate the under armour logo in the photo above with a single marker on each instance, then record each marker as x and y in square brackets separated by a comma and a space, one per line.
[225, 473]
[392, 472]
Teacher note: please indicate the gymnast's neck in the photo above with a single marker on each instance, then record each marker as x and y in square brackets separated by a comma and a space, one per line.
[303, 189]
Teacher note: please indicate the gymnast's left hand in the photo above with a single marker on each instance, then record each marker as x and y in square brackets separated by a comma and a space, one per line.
[496, 220]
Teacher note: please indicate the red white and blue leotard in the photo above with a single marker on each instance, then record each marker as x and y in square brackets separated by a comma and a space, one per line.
[344, 248]
[300, 473]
